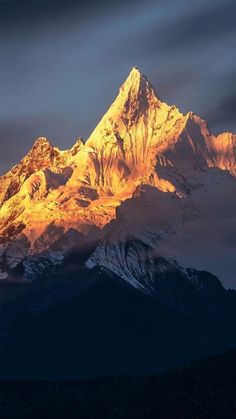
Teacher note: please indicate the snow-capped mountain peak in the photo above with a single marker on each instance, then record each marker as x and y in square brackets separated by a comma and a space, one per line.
[188, 173]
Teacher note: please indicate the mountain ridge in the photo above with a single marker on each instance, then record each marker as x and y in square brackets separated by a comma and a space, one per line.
[139, 141]
[117, 255]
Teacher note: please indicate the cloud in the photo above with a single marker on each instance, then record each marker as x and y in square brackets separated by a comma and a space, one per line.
[192, 55]
[223, 112]
[14, 12]
[68, 59]
[204, 22]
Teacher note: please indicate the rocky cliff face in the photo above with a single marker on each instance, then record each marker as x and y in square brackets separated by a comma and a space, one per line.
[161, 175]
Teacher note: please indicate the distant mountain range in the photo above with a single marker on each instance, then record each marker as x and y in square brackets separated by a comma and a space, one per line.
[110, 251]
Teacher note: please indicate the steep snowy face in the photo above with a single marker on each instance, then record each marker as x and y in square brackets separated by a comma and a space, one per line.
[25, 190]
[126, 140]
[139, 141]
[84, 185]
[195, 229]
[223, 151]
[41, 155]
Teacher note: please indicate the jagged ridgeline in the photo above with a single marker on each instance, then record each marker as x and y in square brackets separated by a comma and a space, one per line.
[149, 182]
[110, 251]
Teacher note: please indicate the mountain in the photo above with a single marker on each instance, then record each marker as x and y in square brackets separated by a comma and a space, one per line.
[83, 324]
[147, 173]
[110, 252]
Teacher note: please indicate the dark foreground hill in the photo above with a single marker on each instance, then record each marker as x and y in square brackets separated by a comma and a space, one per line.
[96, 325]
[207, 389]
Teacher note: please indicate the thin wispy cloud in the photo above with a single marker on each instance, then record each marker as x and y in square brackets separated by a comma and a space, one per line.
[69, 58]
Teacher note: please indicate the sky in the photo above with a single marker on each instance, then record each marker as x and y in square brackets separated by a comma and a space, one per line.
[62, 63]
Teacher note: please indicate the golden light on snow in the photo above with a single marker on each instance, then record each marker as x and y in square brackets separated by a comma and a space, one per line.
[137, 139]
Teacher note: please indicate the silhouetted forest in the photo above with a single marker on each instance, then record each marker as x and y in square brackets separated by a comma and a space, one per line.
[207, 389]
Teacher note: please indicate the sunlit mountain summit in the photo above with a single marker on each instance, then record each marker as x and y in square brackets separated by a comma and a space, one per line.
[147, 171]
